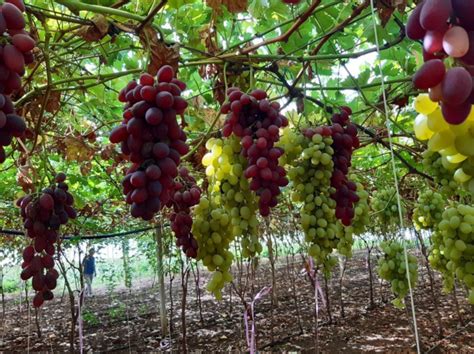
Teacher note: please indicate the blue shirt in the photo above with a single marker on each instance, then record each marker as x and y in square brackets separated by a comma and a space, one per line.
[89, 265]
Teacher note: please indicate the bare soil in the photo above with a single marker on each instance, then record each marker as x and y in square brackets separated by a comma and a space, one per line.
[129, 320]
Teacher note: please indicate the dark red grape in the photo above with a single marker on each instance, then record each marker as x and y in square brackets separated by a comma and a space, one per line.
[414, 30]
[435, 14]
[456, 86]
[429, 75]
[456, 114]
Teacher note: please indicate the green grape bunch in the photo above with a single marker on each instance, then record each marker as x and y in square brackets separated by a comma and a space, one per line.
[384, 205]
[392, 268]
[440, 170]
[452, 250]
[211, 228]
[310, 174]
[428, 210]
[229, 212]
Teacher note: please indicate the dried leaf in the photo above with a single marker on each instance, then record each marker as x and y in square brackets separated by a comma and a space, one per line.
[160, 53]
[77, 150]
[234, 6]
[386, 8]
[97, 31]
[54, 102]
[209, 39]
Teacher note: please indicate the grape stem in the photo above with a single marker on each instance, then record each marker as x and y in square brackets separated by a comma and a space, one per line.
[76, 6]
[378, 139]
[150, 15]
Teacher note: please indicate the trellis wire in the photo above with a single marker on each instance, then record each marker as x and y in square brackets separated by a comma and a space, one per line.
[395, 174]
[29, 325]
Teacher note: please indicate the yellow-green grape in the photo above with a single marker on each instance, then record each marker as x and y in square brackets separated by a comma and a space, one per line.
[392, 268]
[384, 204]
[464, 144]
[428, 210]
[463, 128]
[433, 165]
[460, 176]
[422, 132]
[424, 105]
[455, 159]
[441, 140]
[452, 250]
[310, 174]
[436, 121]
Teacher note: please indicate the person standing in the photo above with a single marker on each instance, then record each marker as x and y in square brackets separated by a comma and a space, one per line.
[88, 267]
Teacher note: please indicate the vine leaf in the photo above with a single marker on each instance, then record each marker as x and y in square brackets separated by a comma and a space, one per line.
[160, 53]
[234, 6]
[95, 32]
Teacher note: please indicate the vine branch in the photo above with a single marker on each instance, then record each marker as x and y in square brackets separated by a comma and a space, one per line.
[284, 37]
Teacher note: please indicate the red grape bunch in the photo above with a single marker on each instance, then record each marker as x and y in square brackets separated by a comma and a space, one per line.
[152, 139]
[187, 194]
[344, 135]
[292, 2]
[446, 28]
[257, 121]
[15, 53]
[43, 214]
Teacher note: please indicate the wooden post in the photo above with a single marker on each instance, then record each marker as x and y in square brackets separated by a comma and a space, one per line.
[161, 279]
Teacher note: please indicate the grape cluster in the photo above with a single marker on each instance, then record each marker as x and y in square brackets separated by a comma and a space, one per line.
[43, 214]
[392, 267]
[310, 175]
[446, 28]
[214, 235]
[434, 164]
[228, 186]
[452, 144]
[384, 204]
[428, 210]
[292, 2]
[229, 211]
[344, 135]
[15, 52]
[187, 194]
[257, 121]
[152, 139]
[452, 250]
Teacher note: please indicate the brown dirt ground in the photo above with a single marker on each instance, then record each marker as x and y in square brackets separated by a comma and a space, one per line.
[129, 321]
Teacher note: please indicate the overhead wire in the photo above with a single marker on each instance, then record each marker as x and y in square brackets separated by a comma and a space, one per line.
[395, 175]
